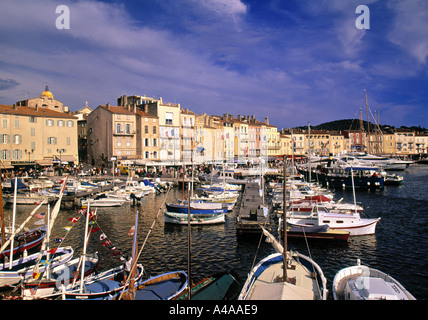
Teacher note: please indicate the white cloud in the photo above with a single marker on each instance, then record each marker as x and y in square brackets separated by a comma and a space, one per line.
[409, 27]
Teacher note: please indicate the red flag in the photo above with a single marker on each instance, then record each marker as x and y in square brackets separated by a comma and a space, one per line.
[107, 242]
[95, 229]
[53, 251]
[74, 220]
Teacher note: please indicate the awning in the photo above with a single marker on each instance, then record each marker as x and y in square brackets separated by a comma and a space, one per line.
[44, 162]
[67, 158]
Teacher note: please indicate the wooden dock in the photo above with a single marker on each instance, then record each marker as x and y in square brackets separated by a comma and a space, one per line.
[250, 214]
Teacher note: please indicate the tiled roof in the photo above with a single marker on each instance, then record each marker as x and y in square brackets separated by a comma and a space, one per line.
[32, 112]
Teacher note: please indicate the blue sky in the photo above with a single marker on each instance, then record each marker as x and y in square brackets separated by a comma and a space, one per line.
[294, 61]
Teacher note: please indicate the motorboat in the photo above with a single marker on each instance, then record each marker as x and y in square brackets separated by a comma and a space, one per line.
[320, 215]
[361, 282]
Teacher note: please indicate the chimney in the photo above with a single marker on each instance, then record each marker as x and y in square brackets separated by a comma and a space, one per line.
[36, 108]
[266, 120]
[146, 108]
[108, 105]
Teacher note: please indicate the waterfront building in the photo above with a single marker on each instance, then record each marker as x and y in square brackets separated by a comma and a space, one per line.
[204, 138]
[388, 143]
[187, 134]
[421, 143]
[404, 142]
[336, 143]
[241, 132]
[36, 136]
[112, 135]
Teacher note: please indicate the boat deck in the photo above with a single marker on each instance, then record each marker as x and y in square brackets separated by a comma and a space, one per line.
[301, 285]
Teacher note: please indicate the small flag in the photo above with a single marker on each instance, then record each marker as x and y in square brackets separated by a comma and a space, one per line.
[102, 237]
[95, 229]
[59, 240]
[40, 215]
[66, 228]
[33, 291]
[53, 251]
[107, 242]
[131, 231]
[74, 220]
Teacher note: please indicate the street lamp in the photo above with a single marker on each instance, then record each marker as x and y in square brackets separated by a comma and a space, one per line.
[29, 152]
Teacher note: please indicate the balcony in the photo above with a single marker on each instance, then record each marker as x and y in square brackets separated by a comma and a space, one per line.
[124, 133]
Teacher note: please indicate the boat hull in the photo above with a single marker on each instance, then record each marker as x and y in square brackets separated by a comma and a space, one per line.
[195, 219]
[106, 285]
[24, 267]
[365, 283]
[166, 286]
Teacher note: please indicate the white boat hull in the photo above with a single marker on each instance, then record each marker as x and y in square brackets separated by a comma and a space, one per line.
[364, 283]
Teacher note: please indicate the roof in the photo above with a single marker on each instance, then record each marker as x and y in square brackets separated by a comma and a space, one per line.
[33, 112]
[117, 109]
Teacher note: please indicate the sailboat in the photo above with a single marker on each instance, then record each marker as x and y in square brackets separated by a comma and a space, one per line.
[55, 278]
[15, 270]
[284, 275]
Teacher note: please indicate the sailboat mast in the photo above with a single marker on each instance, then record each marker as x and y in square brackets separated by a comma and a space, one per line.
[189, 244]
[368, 122]
[3, 232]
[284, 221]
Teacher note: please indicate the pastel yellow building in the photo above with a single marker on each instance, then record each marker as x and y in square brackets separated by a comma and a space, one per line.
[36, 135]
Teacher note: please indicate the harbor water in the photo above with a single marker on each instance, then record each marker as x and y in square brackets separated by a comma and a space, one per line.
[398, 248]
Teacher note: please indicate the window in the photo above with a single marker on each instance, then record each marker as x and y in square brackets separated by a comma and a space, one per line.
[33, 119]
[60, 123]
[155, 155]
[70, 123]
[146, 142]
[4, 138]
[154, 129]
[127, 128]
[49, 123]
[68, 141]
[119, 142]
[146, 155]
[118, 127]
[168, 118]
[33, 132]
[16, 154]
[17, 139]
[51, 140]
[155, 143]
[146, 129]
[4, 154]
[4, 123]
[17, 124]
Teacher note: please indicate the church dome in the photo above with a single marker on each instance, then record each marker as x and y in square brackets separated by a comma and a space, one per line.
[47, 93]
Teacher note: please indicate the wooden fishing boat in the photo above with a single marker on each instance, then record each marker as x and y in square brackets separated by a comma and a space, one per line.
[364, 283]
[284, 275]
[106, 285]
[306, 279]
[220, 286]
[59, 276]
[24, 266]
[28, 242]
[319, 232]
[196, 208]
[195, 219]
[165, 286]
